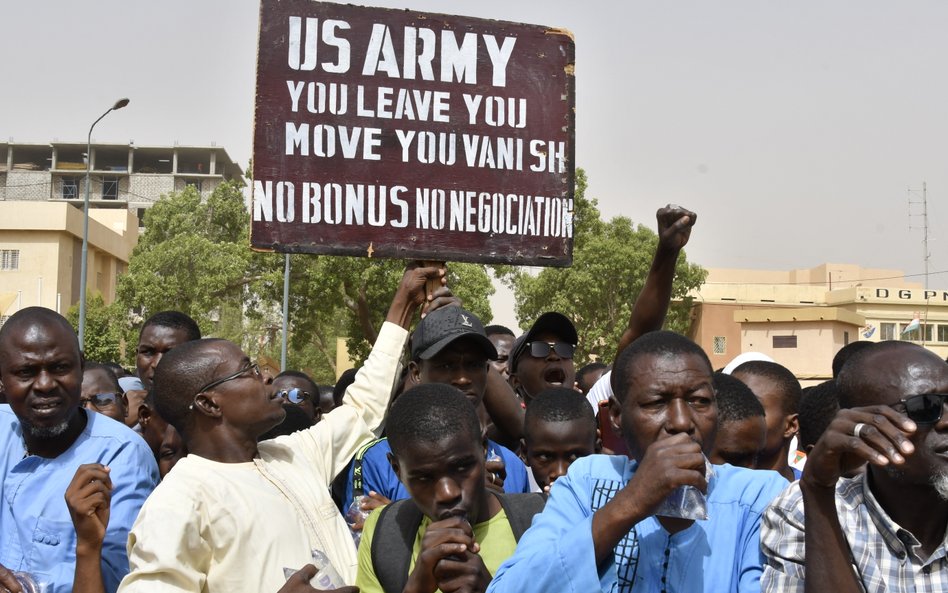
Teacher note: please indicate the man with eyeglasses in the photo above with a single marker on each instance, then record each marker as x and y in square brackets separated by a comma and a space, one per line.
[235, 515]
[885, 530]
[297, 389]
[542, 358]
[101, 392]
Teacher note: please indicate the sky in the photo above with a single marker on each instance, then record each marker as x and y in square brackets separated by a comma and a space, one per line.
[794, 130]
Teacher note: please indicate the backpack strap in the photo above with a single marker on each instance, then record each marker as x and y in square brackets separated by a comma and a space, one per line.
[520, 510]
[392, 543]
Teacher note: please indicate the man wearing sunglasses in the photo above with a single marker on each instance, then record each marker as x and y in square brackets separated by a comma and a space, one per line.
[297, 389]
[886, 530]
[101, 392]
[535, 367]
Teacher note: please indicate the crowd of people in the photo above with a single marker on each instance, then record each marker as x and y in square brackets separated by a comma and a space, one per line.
[463, 458]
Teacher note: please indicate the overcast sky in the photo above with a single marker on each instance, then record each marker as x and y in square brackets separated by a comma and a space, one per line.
[794, 129]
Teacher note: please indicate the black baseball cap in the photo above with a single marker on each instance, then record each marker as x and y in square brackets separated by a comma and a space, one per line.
[442, 327]
[552, 322]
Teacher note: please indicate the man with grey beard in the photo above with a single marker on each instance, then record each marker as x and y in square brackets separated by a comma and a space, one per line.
[886, 530]
[44, 437]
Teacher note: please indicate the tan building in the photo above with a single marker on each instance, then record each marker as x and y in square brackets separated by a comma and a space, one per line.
[42, 190]
[40, 251]
[122, 175]
[801, 318]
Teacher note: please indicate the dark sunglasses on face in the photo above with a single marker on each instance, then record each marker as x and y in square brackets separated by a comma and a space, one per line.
[543, 349]
[926, 408]
[294, 396]
[100, 400]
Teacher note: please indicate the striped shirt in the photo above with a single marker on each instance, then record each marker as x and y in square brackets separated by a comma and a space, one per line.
[885, 556]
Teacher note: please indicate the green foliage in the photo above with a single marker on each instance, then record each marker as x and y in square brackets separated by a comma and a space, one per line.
[194, 257]
[104, 329]
[348, 296]
[610, 263]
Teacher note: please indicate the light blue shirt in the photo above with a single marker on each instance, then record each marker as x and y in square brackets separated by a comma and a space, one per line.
[36, 532]
[719, 555]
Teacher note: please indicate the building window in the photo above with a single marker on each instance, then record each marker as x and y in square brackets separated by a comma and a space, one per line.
[785, 341]
[720, 345]
[9, 259]
[70, 188]
[110, 188]
[943, 333]
[916, 334]
[845, 338]
[141, 218]
[195, 183]
[886, 331]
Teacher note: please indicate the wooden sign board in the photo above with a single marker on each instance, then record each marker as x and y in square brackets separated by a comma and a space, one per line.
[390, 133]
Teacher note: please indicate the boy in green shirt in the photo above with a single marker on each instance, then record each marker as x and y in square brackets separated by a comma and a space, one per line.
[453, 533]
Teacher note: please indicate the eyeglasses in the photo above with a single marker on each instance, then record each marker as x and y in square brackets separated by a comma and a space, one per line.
[926, 408]
[543, 349]
[250, 367]
[294, 396]
[100, 400]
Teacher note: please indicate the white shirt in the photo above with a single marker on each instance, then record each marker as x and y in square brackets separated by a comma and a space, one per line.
[232, 527]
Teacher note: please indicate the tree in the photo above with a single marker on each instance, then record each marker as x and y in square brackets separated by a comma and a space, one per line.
[610, 262]
[348, 296]
[104, 336]
[194, 257]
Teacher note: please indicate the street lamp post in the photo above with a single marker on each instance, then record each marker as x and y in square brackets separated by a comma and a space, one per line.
[85, 226]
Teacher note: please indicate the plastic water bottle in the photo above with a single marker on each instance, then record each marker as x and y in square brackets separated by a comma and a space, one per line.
[327, 578]
[29, 583]
[356, 516]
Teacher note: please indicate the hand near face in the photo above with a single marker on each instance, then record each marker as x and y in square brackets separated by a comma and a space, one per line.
[450, 540]
[299, 583]
[674, 226]
[495, 472]
[667, 464]
[88, 497]
[883, 439]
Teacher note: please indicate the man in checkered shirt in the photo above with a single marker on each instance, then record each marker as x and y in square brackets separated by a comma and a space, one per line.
[884, 530]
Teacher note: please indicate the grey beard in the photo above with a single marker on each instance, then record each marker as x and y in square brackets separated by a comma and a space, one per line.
[47, 432]
[940, 482]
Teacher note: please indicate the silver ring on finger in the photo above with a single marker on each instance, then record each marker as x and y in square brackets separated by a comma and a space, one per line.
[857, 430]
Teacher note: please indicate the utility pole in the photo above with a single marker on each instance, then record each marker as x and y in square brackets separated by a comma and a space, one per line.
[918, 199]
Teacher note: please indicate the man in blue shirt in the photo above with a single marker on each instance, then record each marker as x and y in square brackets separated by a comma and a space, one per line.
[448, 346]
[44, 437]
[600, 529]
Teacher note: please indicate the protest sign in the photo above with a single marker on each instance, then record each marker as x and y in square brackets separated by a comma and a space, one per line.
[391, 133]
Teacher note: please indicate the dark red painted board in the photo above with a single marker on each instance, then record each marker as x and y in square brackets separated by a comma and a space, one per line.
[391, 133]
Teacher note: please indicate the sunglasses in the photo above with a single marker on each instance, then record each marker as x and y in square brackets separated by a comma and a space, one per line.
[543, 349]
[926, 408]
[100, 400]
[294, 396]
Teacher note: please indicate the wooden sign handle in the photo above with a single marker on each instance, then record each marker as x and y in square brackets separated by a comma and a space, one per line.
[435, 283]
